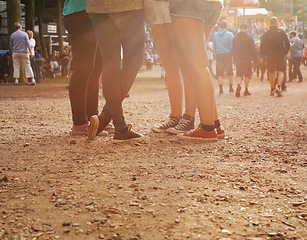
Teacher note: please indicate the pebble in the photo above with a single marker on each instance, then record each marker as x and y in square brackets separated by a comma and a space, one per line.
[73, 142]
[65, 224]
[101, 236]
[76, 224]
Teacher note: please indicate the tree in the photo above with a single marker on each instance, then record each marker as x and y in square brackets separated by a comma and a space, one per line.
[30, 9]
[40, 11]
[59, 25]
[13, 16]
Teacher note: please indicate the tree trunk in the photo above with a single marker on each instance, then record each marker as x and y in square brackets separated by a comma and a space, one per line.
[13, 16]
[59, 26]
[40, 5]
[29, 14]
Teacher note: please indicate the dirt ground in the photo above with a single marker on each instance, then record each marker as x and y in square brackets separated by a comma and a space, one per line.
[250, 185]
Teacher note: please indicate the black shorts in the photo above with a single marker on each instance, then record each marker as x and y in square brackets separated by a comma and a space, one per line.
[244, 68]
[276, 64]
[223, 64]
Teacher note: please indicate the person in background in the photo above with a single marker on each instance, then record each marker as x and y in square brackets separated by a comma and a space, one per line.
[222, 45]
[244, 52]
[210, 54]
[296, 53]
[275, 46]
[32, 52]
[20, 48]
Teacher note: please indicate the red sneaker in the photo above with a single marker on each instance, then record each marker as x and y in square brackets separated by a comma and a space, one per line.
[199, 134]
[220, 133]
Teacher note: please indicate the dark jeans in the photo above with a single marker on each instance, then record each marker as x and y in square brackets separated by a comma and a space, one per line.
[114, 30]
[294, 69]
[87, 67]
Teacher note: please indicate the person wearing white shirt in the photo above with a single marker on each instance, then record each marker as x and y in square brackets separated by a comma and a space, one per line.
[31, 48]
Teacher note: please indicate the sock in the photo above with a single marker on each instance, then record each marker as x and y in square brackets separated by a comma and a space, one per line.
[123, 131]
[207, 128]
[186, 116]
[221, 88]
[217, 124]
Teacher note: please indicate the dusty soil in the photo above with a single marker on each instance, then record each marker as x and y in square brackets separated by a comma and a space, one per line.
[251, 185]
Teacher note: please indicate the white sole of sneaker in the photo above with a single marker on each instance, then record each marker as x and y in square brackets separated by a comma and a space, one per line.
[174, 131]
[197, 139]
[221, 136]
[128, 140]
[93, 127]
[158, 130]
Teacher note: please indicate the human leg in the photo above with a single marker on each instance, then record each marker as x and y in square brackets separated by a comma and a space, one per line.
[163, 42]
[16, 65]
[190, 45]
[26, 63]
[81, 34]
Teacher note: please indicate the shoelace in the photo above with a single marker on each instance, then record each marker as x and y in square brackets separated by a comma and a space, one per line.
[182, 123]
[169, 123]
[195, 130]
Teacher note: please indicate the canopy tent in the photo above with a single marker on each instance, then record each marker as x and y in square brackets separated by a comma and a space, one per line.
[244, 4]
[252, 11]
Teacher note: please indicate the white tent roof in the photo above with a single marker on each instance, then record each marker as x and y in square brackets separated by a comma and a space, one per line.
[252, 11]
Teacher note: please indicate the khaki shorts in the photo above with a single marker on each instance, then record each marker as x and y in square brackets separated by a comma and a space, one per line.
[157, 12]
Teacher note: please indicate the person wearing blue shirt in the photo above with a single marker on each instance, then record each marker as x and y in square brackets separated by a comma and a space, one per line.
[222, 46]
[20, 48]
[296, 50]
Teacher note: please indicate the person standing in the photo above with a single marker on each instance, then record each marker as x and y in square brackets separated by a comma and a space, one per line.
[20, 48]
[296, 52]
[275, 46]
[191, 21]
[222, 45]
[118, 23]
[32, 60]
[87, 67]
[244, 52]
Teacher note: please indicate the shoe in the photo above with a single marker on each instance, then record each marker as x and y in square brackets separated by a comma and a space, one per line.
[199, 134]
[79, 131]
[16, 81]
[171, 123]
[238, 91]
[220, 133]
[129, 136]
[231, 90]
[33, 82]
[186, 123]
[103, 123]
[246, 93]
[272, 92]
[93, 127]
[110, 129]
[278, 92]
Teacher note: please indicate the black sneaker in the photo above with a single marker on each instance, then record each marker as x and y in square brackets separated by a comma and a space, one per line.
[129, 136]
[238, 91]
[186, 123]
[171, 123]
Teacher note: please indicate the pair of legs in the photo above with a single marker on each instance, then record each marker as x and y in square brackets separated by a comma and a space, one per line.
[18, 58]
[224, 64]
[294, 69]
[162, 34]
[274, 65]
[113, 31]
[87, 67]
[192, 59]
